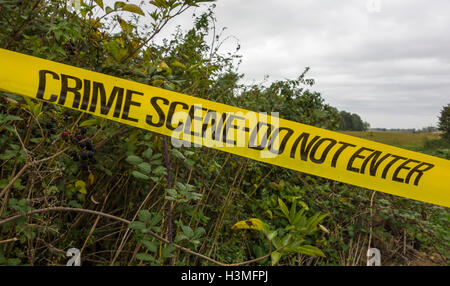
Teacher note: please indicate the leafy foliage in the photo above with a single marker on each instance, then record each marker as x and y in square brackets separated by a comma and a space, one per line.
[352, 122]
[190, 197]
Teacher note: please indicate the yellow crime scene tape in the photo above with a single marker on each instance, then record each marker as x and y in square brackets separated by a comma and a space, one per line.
[257, 136]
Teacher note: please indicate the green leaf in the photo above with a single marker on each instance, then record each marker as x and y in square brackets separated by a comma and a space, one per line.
[126, 27]
[145, 167]
[178, 65]
[18, 185]
[159, 3]
[181, 237]
[275, 256]
[150, 245]
[12, 117]
[119, 4]
[134, 160]
[283, 208]
[324, 229]
[200, 231]
[114, 48]
[177, 154]
[160, 170]
[13, 262]
[137, 225]
[304, 205]
[145, 257]
[167, 251]
[172, 192]
[187, 230]
[271, 235]
[148, 153]
[144, 216]
[99, 3]
[286, 239]
[293, 211]
[252, 223]
[307, 249]
[81, 186]
[190, 163]
[155, 220]
[37, 109]
[89, 122]
[139, 175]
[133, 9]
[8, 154]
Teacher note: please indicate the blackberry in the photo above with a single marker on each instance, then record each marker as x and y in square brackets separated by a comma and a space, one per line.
[65, 135]
[83, 130]
[92, 160]
[84, 166]
[91, 155]
[67, 113]
[70, 46]
[84, 156]
[89, 145]
[74, 155]
[83, 144]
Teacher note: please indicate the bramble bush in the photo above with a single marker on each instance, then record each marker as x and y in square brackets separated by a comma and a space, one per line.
[124, 196]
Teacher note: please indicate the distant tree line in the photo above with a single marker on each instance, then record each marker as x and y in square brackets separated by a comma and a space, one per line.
[413, 130]
[444, 122]
[352, 122]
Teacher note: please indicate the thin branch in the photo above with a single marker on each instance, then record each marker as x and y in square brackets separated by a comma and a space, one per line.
[9, 240]
[26, 166]
[371, 219]
[169, 186]
[156, 31]
[22, 26]
[117, 133]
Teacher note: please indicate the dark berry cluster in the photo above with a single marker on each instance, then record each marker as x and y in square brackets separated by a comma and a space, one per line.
[70, 46]
[67, 115]
[86, 150]
[50, 126]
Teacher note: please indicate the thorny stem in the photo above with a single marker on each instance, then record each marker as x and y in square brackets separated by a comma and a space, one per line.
[156, 31]
[169, 185]
[26, 166]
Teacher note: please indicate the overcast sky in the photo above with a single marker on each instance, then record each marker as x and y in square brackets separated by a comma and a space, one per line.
[388, 62]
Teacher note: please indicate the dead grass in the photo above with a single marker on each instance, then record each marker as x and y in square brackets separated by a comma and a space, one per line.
[401, 139]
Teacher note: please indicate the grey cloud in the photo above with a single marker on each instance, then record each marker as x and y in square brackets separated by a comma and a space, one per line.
[392, 67]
